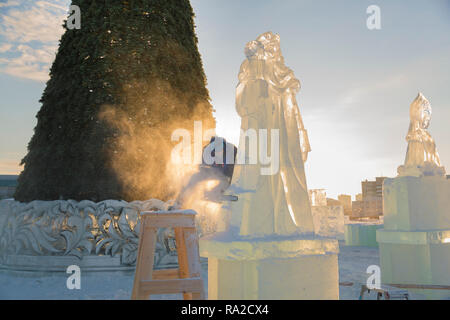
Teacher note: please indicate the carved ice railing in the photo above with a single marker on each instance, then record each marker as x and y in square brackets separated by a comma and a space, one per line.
[83, 229]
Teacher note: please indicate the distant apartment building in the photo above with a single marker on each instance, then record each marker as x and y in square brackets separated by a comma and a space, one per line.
[370, 204]
[346, 201]
[373, 189]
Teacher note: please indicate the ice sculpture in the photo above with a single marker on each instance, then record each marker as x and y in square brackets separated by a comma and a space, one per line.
[266, 99]
[268, 249]
[415, 240]
[422, 157]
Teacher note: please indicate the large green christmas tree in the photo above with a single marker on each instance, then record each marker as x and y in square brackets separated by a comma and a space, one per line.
[117, 89]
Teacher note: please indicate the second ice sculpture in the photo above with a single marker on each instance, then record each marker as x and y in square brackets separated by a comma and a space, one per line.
[266, 100]
[422, 157]
[414, 242]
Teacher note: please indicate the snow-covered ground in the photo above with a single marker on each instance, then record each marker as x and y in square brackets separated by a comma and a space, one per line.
[353, 263]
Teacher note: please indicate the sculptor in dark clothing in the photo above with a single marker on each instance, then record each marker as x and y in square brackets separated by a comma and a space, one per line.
[226, 168]
[221, 172]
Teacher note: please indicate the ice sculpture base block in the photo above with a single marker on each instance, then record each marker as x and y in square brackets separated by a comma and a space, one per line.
[362, 234]
[412, 203]
[415, 242]
[271, 268]
[329, 221]
[416, 258]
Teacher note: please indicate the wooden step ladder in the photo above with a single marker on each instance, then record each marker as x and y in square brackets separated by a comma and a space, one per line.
[187, 278]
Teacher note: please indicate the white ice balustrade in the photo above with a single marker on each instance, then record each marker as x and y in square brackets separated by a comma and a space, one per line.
[51, 235]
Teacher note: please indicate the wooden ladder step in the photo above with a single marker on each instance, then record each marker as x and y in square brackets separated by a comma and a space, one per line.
[170, 221]
[165, 274]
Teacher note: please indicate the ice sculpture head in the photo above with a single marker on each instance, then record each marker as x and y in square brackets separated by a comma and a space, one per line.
[420, 112]
[265, 47]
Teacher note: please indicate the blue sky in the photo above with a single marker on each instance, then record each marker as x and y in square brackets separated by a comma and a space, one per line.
[357, 84]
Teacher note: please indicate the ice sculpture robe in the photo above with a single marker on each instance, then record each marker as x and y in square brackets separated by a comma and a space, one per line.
[278, 203]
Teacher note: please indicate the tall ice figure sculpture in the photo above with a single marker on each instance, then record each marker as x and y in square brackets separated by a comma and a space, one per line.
[415, 240]
[267, 248]
[273, 198]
